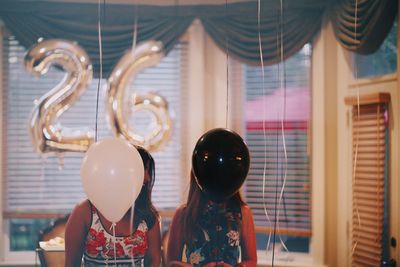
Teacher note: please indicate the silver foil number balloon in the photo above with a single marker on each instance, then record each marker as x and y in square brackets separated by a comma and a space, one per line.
[145, 55]
[161, 131]
[45, 135]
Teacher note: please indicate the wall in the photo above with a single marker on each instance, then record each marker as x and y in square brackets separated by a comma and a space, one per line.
[347, 86]
[324, 91]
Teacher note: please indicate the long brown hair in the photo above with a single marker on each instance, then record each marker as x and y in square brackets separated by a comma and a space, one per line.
[195, 205]
[144, 208]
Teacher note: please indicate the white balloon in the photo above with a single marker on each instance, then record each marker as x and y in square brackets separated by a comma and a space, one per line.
[112, 174]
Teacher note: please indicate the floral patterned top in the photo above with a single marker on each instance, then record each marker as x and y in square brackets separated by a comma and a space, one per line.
[99, 246]
[218, 237]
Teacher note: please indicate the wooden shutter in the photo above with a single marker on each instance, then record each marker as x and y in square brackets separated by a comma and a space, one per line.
[369, 191]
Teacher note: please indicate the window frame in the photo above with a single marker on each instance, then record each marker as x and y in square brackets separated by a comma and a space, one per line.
[216, 97]
[207, 97]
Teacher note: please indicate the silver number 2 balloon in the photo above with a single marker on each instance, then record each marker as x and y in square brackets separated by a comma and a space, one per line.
[145, 55]
[45, 135]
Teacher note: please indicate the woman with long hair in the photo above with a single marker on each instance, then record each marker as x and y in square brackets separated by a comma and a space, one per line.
[88, 231]
[208, 233]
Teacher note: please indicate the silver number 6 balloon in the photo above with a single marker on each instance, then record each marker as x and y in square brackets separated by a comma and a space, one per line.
[145, 55]
[45, 136]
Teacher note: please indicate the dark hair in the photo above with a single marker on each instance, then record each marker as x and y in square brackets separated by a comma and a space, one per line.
[144, 208]
[195, 205]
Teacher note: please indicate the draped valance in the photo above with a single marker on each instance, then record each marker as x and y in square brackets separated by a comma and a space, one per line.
[362, 25]
[233, 26]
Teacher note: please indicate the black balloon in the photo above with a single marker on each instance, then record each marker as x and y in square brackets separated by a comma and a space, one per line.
[220, 163]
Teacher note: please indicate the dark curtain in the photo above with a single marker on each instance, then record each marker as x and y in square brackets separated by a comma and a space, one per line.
[365, 33]
[234, 27]
[29, 21]
[238, 33]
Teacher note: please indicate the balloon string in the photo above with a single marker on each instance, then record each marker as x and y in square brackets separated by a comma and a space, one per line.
[135, 29]
[277, 158]
[263, 122]
[356, 133]
[131, 230]
[101, 66]
[112, 227]
[227, 70]
[282, 79]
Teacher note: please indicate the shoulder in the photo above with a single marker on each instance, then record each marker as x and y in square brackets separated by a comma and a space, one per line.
[246, 212]
[179, 214]
[247, 219]
[245, 209]
[80, 218]
[180, 210]
[84, 206]
[83, 210]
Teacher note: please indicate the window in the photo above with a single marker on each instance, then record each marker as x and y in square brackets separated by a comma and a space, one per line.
[262, 110]
[383, 61]
[370, 194]
[39, 188]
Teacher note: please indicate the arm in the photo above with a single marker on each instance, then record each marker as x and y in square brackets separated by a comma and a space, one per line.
[175, 241]
[153, 255]
[249, 247]
[75, 234]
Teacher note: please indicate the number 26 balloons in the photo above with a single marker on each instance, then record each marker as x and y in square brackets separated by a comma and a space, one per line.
[47, 137]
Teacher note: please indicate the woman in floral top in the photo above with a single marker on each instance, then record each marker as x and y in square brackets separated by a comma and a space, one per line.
[206, 233]
[88, 232]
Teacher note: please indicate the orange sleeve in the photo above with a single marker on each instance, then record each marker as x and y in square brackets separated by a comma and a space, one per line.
[248, 240]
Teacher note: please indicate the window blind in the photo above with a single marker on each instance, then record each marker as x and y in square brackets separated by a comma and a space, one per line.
[369, 231]
[263, 109]
[38, 184]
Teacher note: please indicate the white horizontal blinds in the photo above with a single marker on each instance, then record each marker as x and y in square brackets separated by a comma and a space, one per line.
[32, 183]
[369, 140]
[35, 184]
[236, 96]
[168, 80]
[297, 70]
[295, 207]
[264, 111]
